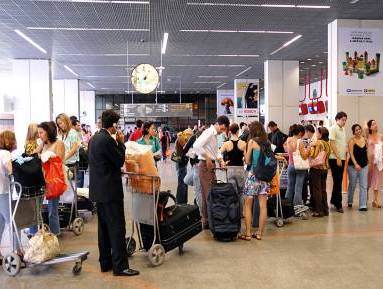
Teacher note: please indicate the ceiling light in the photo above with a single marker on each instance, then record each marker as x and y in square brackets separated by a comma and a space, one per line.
[238, 31]
[103, 54]
[286, 44]
[212, 76]
[207, 65]
[87, 29]
[91, 85]
[302, 62]
[320, 62]
[242, 72]
[102, 65]
[309, 59]
[98, 1]
[70, 70]
[104, 76]
[221, 85]
[314, 65]
[260, 5]
[164, 43]
[30, 41]
[354, 1]
[217, 55]
[206, 82]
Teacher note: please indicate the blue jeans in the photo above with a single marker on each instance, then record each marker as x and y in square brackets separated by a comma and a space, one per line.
[296, 179]
[182, 188]
[354, 176]
[53, 211]
[197, 187]
[4, 212]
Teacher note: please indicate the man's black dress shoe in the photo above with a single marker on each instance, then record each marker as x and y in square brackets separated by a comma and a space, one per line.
[127, 272]
[106, 269]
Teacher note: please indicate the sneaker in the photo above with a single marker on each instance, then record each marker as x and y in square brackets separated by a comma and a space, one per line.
[363, 210]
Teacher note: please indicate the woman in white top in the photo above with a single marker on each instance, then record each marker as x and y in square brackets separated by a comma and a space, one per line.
[7, 145]
[48, 134]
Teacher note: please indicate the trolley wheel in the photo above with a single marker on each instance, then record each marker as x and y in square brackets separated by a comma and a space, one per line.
[156, 255]
[78, 226]
[279, 223]
[11, 264]
[181, 249]
[130, 246]
[76, 270]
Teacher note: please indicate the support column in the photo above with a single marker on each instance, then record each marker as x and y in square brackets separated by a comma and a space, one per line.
[88, 107]
[32, 94]
[282, 93]
[359, 95]
[66, 96]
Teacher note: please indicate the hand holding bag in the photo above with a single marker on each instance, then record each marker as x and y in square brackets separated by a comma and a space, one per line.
[55, 184]
[320, 160]
[42, 247]
[299, 162]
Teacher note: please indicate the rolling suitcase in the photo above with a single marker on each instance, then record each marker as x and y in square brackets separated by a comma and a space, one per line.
[224, 214]
[180, 224]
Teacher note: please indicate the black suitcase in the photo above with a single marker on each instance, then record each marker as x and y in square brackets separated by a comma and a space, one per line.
[224, 213]
[287, 208]
[181, 223]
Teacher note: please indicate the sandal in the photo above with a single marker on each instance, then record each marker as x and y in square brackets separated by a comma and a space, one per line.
[256, 236]
[244, 237]
[376, 205]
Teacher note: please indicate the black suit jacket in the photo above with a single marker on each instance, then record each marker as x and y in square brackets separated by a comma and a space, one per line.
[106, 158]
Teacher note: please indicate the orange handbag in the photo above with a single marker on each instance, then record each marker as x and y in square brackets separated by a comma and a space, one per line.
[274, 185]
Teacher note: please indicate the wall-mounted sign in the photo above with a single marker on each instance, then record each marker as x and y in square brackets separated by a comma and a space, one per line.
[142, 110]
[359, 68]
[225, 102]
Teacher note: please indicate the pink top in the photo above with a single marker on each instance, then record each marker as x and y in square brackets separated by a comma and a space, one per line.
[291, 159]
[375, 177]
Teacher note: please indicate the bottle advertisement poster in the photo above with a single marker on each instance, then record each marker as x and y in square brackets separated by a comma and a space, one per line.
[246, 96]
[225, 102]
[359, 68]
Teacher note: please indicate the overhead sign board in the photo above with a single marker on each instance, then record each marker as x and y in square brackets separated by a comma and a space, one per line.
[142, 110]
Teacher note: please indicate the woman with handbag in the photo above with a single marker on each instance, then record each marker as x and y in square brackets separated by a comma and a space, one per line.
[298, 164]
[358, 167]
[319, 156]
[52, 148]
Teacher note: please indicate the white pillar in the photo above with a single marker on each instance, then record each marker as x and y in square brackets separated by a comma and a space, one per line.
[361, 99]
[32, 94]
[66, 97]
[88, 108]
[282, 93]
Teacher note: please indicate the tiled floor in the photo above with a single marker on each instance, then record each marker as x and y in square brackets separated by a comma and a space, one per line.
[341, 251]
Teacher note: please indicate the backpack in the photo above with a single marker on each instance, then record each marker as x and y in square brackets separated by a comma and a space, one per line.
[267, 164]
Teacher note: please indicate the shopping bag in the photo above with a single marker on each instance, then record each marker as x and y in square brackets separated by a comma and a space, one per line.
[42, 247]
[275, 185]
[55, 184]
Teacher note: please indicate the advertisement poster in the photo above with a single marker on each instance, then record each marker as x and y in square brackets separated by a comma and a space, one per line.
[246, 101]
[313, 104]
[225, 102]
[359, 67]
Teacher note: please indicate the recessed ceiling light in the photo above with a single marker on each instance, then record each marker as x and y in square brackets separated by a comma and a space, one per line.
[217, 55]
[243, 71]
[313, 65]
[102, 54]
[105, 76]
[286, 44]
[87, 29]
[239, 31]
[70, 70]
[91, 85]
[212, 76]
[207, 65]
[354, 1]
[221, 85]
[302, 62]
[320, 62]
[309, 59]
[102, 65]
[164, 43]
[259, 5]
[21, 34]
[206, 82]
[98, 1]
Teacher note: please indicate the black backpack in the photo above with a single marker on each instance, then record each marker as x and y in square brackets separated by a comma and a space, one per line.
[267, 164]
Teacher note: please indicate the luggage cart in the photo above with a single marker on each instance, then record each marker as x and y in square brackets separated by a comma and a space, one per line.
[19, 216]
[68, 212]
[144, 211]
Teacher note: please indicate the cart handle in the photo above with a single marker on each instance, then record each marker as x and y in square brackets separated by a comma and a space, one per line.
[139, 175]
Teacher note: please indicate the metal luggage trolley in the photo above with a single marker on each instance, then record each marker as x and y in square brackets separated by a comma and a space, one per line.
[144, 210]
[25, 212]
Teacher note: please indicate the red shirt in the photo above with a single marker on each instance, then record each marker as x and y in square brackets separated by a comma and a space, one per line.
[136, 135]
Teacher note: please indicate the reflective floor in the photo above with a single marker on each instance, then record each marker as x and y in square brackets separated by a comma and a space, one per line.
[340, 251]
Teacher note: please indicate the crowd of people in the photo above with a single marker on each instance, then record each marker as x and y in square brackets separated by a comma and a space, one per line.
[310, 152]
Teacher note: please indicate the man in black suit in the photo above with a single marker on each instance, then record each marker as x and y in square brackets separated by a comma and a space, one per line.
[106, 157]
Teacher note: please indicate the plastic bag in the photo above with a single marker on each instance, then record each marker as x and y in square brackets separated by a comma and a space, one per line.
[55, 184]
[42, 247]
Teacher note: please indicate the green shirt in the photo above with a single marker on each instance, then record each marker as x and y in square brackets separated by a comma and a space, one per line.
[69, 141]
[154, 142]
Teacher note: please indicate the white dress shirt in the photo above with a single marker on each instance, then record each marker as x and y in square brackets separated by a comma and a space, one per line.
[207, 145]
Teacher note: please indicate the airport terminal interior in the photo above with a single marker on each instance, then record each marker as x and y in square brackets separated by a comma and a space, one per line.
[170, 144]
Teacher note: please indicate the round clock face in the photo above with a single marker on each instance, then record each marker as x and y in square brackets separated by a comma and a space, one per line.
[145, 78]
